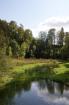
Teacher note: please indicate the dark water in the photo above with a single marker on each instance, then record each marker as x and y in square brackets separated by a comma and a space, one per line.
[40, 92]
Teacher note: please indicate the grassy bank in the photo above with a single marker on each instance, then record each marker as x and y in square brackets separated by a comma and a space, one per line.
[21, 69]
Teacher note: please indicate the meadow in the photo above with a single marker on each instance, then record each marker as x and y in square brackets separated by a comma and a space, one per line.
[21, 69]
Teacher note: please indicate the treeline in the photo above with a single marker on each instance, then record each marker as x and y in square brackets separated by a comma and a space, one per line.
[15, 41]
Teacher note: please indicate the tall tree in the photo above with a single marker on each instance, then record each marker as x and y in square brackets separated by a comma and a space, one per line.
[65, 48]
[50, 42]
[28, 35]
[61, 37]
[51, 36]
[20, 32]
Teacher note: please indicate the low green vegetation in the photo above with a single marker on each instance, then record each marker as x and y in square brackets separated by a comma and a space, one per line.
[35, 69]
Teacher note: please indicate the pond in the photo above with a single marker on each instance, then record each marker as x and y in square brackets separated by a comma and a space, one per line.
[37, 92]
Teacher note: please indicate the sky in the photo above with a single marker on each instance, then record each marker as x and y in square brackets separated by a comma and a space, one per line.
[38, 15]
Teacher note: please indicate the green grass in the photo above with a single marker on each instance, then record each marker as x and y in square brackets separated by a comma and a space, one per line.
[62, 72]
[25, 68]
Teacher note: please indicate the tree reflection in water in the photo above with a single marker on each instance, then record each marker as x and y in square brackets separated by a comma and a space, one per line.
[45, 89]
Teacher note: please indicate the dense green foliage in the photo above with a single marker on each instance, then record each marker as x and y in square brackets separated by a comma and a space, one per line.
[15, 41]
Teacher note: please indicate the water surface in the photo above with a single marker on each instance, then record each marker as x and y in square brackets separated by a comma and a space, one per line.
[40, 92]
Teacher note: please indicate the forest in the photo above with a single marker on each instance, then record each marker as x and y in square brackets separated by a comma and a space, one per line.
[18, 42]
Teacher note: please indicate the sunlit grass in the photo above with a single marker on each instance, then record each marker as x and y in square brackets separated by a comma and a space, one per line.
[18, 67]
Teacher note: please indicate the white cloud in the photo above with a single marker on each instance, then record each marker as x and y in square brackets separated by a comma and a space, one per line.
[53, 22]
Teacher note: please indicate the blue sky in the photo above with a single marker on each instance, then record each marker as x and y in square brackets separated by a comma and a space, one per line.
[33, 13]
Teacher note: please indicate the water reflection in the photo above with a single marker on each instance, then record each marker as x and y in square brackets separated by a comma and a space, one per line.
[54, 93]
[40, 92]
[51, 86]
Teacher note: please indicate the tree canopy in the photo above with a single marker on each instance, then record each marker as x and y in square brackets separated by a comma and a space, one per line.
[16, 41]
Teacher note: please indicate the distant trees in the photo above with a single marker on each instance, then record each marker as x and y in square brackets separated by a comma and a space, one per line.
[50, 46]
[15, 41]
